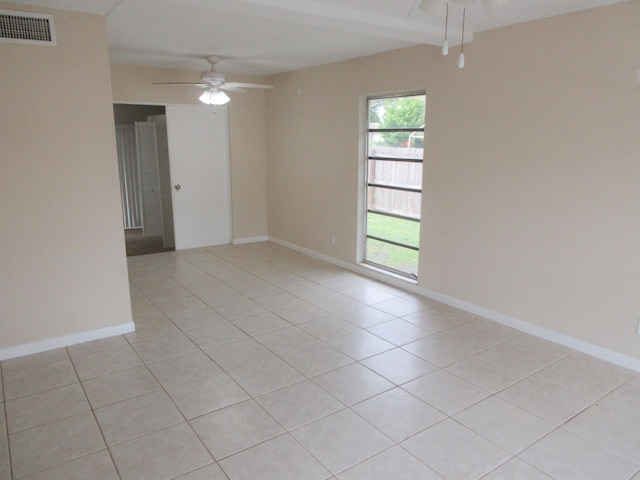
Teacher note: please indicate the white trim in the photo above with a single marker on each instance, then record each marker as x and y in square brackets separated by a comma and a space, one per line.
[227, 141]
[536, 330]
[363, 162]
[65, 341]
[366, 270]
[242, 241]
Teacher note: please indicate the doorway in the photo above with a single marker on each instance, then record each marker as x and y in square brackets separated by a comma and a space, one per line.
[200, 172]
[145, 180]
[187, 180]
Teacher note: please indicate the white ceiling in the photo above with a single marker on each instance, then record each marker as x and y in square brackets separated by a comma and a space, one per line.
[262, 37]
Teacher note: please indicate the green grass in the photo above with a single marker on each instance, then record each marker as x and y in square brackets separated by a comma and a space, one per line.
[397, 230]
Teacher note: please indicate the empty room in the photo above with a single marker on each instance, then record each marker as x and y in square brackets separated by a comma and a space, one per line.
[396, 239]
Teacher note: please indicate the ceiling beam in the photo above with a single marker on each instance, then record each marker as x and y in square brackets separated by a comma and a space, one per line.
[316, 14]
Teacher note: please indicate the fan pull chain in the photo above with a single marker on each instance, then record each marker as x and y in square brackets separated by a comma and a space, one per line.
[461, 58]
[445, 45]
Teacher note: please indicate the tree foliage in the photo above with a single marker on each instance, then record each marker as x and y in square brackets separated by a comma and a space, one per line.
[398, 113]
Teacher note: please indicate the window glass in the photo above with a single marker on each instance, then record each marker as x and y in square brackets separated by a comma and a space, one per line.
[395, 152]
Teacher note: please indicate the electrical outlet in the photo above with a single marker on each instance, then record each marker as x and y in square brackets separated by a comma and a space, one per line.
[332, 239]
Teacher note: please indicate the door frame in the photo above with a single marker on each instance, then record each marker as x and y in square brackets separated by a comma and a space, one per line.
[227, 155]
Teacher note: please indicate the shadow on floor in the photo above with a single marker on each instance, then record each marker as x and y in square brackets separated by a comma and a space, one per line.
[139, 245]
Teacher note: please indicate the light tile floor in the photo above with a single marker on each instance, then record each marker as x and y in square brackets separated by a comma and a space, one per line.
[256, 362]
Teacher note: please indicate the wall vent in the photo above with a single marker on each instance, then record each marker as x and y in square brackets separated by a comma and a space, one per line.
[27, 28]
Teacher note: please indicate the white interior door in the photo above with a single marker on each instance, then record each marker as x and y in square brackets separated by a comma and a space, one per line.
[199, 151]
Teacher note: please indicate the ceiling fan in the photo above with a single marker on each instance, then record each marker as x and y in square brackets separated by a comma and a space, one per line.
[215, 82]
[439, 9]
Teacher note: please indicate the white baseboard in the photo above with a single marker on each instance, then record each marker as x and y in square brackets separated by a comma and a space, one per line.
[376, 274]
[242, 241]
[65, 341]
[536, 330]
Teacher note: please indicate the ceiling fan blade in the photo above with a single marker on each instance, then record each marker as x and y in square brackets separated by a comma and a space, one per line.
[232, 88]
[247, 85]
[203, 85]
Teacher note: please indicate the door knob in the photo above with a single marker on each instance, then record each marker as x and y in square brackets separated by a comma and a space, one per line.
[177, 186]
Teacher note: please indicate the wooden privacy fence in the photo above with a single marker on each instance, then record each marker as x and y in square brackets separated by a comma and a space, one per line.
[403, 174]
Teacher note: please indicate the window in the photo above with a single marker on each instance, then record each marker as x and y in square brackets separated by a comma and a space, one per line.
[395, 151]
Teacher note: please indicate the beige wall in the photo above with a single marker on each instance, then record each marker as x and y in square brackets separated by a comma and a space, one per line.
[531, 183]
[531, 177]
[133, 84]
[62, 251]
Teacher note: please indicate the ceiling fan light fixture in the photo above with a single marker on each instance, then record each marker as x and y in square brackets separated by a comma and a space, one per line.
[213, 77]
[214, 96]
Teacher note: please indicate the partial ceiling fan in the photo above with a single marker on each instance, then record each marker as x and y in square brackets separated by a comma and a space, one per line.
[439, 9]
[215, 82]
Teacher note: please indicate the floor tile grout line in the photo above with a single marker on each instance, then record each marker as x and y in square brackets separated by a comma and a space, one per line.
[186, 420]
[561, 425]
[369, 305]
[522, 460]
[588, 407]
[254, 338]
[52, 421]
[37, 365]
[344, 407]
[532, 374]
[526, 376]
[161, 388]
[254, 399]
[249, 272]
[6, 425]
[398, 444]
[95, 419]
[370, 332]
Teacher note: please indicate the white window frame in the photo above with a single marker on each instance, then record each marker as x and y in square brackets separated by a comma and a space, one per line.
[363, 186]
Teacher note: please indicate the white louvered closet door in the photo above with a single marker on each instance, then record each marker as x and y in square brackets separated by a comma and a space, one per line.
[162, 148]
[151, 199]
[129, 176]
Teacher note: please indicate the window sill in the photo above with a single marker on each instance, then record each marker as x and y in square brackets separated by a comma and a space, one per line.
[381, 272]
